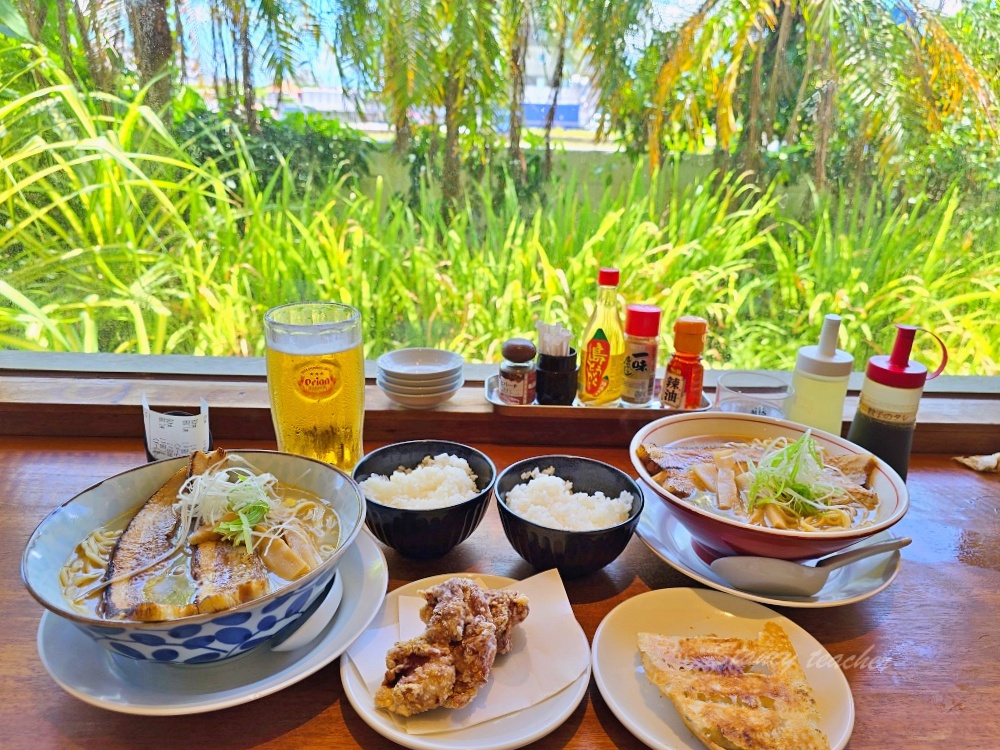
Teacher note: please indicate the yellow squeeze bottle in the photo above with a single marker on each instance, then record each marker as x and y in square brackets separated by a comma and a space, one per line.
[602, 351]
[820, 381]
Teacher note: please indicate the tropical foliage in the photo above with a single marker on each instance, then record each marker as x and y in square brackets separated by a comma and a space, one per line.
[856, 144]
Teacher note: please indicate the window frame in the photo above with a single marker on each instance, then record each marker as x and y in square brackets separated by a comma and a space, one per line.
[99, 395]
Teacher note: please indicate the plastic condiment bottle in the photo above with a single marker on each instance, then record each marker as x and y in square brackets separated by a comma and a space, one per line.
[820, 381]
[642, 333]
[603, 346]
[682, 381]
[890, 395]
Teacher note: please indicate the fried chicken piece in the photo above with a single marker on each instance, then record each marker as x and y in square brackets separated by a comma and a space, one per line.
[451, 606]
[457, 612]
[508, 608]
[467, 627]
[419, 677]
[473, 657]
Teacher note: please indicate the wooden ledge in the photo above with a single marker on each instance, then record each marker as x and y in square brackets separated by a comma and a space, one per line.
[67, 404]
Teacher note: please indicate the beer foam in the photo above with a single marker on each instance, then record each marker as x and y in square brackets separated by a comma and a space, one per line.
[309, 341]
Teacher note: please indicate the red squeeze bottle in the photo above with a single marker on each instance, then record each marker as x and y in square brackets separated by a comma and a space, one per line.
[890, 395]
[682, 381]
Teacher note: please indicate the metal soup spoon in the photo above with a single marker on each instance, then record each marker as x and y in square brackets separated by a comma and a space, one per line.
[769, 575]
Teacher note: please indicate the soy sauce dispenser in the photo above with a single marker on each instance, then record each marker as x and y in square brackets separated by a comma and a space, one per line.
[890, 395]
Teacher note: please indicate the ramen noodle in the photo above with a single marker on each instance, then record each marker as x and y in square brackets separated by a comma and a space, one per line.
[218, 534]
[776, 483]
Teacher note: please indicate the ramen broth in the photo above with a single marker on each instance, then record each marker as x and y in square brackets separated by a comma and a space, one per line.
[83, 577]
[779, 483]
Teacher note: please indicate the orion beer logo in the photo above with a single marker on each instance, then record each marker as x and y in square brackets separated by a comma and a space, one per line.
[318, 381]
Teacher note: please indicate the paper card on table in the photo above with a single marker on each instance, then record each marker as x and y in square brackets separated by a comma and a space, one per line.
[537, 667]
[172, 435]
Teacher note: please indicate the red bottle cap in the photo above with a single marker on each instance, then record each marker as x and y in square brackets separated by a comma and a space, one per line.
[642, 321]
[608, 277]
[897, 370]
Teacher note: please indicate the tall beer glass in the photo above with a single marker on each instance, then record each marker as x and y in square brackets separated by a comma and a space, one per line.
[316, 380]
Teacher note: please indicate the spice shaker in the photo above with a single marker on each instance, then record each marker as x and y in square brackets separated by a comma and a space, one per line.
[516, 384]
[890, 395]
[682, 381]
[642, 331]
[820, 381]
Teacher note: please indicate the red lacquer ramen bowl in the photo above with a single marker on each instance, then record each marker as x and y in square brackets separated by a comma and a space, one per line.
[723, 535]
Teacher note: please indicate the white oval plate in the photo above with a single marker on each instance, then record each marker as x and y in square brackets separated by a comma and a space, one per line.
[420, 363]
[502, 733]
[431, 384]
[672, 542]
[88, 671]
[420, 402]
[649, 714]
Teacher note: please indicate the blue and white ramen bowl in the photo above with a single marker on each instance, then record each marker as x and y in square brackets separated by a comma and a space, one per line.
[197, 639]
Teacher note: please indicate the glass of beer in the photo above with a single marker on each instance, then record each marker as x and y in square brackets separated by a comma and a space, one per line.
[316, 380]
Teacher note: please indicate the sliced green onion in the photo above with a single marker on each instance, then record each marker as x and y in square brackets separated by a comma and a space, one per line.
[793, 478]
[249, 502]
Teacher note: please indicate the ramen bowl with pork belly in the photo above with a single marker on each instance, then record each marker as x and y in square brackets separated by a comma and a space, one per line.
[195, 560]
[750, 485]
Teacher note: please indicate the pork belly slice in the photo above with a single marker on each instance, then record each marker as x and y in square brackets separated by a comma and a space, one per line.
[858, 469]
[673, 465]
[148, 536]
[226, 576]
[148, 592]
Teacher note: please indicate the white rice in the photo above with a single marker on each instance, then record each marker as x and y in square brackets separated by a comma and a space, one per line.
[549, 501]
[436, 483]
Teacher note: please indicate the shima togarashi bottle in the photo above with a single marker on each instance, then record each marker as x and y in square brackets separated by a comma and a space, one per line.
[603, 346]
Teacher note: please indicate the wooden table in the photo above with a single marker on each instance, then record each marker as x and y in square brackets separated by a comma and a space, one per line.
[922, 657]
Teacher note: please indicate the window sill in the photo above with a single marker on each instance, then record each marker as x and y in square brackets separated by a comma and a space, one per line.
[100, 396]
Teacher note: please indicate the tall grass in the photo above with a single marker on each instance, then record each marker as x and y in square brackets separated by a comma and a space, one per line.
[112, 239]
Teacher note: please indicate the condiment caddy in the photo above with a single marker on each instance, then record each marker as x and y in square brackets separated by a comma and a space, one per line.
[491, 388]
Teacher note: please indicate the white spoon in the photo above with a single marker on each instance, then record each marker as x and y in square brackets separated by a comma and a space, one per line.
[769, 575]
[311, 624]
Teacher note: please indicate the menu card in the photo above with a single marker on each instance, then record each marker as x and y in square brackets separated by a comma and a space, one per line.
[537, 667]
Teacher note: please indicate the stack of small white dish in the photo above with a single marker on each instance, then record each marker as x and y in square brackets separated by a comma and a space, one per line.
[420, 378]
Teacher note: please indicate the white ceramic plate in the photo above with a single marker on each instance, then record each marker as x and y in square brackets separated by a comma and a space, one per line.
[672, 542]
[452, 384]
[503, 733]
[420, 402]
[432, 384]
[420, 363]
[650, 715]
[87, 670]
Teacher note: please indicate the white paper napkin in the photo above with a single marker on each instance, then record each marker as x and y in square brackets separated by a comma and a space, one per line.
[549, 652]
